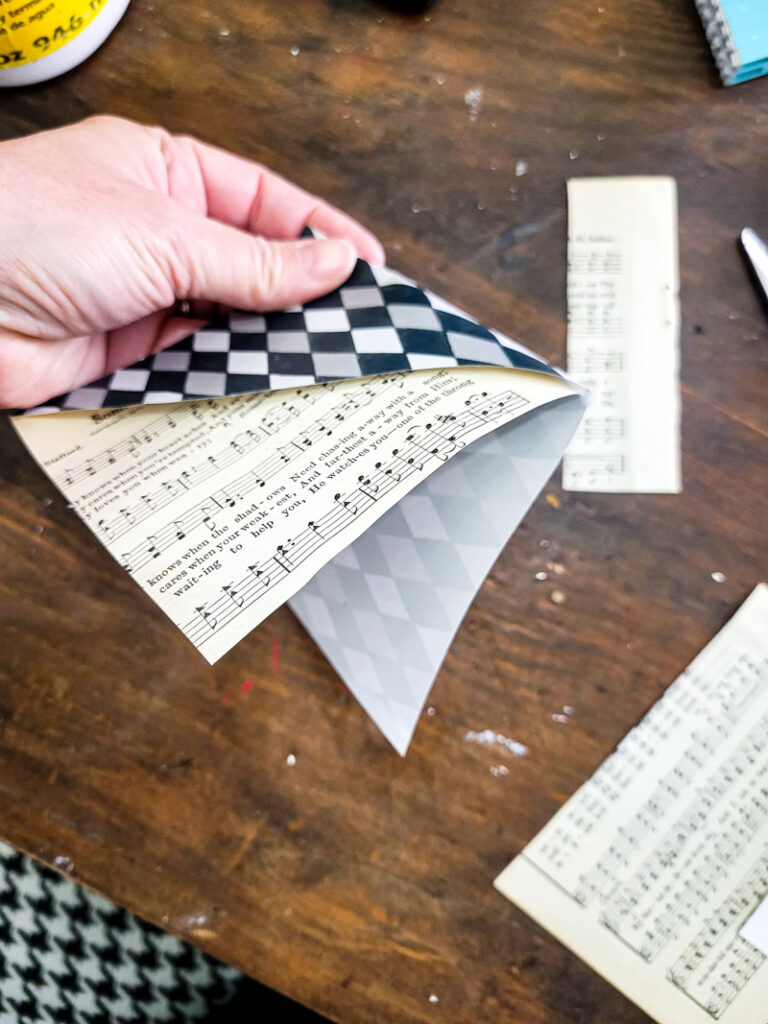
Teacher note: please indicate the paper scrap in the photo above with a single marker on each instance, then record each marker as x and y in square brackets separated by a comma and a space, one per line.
[624, 334]
[650, 870]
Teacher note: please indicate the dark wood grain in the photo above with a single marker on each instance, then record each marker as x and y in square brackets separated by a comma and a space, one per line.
[354, 881]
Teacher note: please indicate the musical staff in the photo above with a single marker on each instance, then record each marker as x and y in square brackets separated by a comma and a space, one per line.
[231, 454]
[623, 336]
[431, 442]
[664, 851]
[190, 414]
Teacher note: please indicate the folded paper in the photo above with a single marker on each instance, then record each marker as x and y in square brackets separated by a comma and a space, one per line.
[364, 457]
[650, 871]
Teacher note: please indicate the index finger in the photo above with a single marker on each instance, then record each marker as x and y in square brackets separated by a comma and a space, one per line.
[247, 195]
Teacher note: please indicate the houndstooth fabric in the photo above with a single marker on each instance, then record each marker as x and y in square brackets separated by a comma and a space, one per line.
[68, 956]
[378, 322]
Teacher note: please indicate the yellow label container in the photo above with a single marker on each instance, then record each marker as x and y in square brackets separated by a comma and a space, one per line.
[40, 39]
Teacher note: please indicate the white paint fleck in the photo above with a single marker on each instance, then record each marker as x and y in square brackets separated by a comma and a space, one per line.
[431, 711]
[40, 528]
[573, 154]
[63, 863]
[433, 998]
[295, 51]
[488, 737]
[601, 137]
[718, 577]
[498, 770]
[541, 576]
[543, 543]
[557, 597]
[493, 165]
[440, 79]
[47, 501]
[481, 205]
[224, 32]
[734, 316]
[290, 760]
[521, 167]
[417, 208]
[560, 718]
[474, 100]
[567, 709]
[189, 922]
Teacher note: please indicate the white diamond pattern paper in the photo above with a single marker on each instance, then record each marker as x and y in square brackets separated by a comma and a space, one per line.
[385, 611]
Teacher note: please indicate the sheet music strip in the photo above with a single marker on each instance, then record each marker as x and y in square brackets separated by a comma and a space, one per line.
[623, 334]
[650, 871]
[222, 509]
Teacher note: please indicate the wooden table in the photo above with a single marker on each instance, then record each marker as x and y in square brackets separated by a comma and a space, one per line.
[354, 881]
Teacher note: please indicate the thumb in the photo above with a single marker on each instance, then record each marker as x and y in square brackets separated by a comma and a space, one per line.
[217, 263]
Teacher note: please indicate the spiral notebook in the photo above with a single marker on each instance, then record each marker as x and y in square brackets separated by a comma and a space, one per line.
[737, 31]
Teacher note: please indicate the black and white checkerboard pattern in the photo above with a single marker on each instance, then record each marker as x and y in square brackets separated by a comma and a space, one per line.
[378, 322]
[68, 956]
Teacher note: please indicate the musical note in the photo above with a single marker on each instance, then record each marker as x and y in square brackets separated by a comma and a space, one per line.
[345, 504]
[152, 547]
[260, 575]
[230, 500]
[231, 593]
[367, 488]
[414, 439]
[315, 528]
[180, 533]
[387, 472]
[477, 400]
[209, 510]
[171, 489]
[243, 442]
[207, 618]
[281, 557]
[409, 461]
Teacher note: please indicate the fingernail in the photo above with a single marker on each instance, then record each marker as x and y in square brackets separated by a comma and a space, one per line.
[327, 259]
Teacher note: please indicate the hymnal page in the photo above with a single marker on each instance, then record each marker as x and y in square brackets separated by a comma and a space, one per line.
[651, 870]
[222, 509]
[623, 334]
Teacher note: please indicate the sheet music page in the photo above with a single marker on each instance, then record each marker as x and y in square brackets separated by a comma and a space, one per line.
[623, 334]
[222, 509]
[650, 871]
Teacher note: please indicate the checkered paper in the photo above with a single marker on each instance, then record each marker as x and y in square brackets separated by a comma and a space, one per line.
[378, 322]
[385, 610]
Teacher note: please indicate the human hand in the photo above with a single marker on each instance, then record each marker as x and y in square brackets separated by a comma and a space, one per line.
[105, 225]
